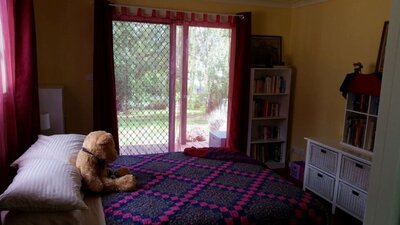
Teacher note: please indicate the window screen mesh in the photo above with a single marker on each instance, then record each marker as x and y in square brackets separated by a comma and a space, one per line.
[141, 64]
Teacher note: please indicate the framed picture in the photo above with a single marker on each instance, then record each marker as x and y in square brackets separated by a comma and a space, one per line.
[266, 51]
[381, 53]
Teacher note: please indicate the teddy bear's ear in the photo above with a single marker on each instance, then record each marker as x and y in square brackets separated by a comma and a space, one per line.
[104, 139]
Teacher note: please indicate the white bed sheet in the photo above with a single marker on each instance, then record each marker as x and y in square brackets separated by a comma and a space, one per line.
[93, 215]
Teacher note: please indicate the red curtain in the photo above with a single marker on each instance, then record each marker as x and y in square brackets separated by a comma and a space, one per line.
[19, 108]
[26, 81]
[8, 126]
[239, 85]
[104, 103]
[164, 16]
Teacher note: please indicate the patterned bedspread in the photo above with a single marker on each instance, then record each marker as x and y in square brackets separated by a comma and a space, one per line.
[178, 189]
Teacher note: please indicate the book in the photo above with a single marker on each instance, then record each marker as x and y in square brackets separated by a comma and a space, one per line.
[349, 130]
[274, 151]
[370, 135]
[273, 84]
[282, 88]
[259, 86]
[267, 86]
[265, 108]
[277, 109]
[359, 132]
[278, 84]
[269, 132]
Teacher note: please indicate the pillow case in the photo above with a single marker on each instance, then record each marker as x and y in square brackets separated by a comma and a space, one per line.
[60, 147]
[44, 185]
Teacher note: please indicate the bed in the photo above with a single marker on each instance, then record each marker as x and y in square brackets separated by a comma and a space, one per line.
[173, 188]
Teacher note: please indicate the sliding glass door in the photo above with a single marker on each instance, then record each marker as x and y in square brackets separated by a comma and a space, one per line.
[171, 84]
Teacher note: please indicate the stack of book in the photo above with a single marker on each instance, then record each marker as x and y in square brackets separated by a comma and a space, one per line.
[355, 127]
[264, 108]
[270, 84]
[360, 103]
[269, 132]
[265, 152]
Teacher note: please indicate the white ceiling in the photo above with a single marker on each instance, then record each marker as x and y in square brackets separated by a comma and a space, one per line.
[274, 3]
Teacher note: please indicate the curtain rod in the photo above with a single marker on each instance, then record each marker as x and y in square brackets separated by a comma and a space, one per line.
[175, 10]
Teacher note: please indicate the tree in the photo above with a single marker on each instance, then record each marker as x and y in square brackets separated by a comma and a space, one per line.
[141, 59]
[209, 64]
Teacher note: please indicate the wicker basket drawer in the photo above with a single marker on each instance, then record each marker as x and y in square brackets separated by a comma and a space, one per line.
[355, 172]
[320, 183]
[352, 200]
[322, 158]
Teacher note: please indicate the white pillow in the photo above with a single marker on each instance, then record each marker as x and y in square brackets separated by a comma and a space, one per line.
[44, 185]
[60, 147]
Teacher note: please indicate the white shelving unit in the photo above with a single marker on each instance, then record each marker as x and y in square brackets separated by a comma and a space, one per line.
[361, 115]
[338, 170]
[268, 115]
[338, 174]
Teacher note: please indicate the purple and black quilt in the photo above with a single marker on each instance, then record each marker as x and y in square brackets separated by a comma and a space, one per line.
[174, 188]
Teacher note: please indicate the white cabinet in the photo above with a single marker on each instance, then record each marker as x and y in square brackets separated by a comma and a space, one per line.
[268, 115]
[338, 174]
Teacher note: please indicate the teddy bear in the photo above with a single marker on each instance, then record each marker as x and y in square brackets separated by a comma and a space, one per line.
[98, 149]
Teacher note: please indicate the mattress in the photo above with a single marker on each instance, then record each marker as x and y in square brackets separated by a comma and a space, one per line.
[93, 215]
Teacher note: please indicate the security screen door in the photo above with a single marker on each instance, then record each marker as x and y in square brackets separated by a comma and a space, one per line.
[171, 85]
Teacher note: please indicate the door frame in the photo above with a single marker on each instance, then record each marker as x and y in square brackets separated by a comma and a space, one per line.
[384, 189]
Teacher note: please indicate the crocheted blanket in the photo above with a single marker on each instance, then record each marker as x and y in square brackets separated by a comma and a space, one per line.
[174, 188]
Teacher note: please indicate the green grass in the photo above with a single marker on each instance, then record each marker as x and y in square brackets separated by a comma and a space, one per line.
[140, 127]
[146, 118]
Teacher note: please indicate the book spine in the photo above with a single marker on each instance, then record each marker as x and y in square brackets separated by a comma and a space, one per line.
[268, 84]
[359, 132]
[265, 108]
[282, 88]
[370, 136]
[278, 84]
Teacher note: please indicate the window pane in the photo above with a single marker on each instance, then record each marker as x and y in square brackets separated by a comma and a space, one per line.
[208, 81]
[141, 63]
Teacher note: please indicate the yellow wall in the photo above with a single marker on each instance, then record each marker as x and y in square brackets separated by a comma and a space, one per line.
[320, 41]
[327, 39]
[64, 31]
[65, 44]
